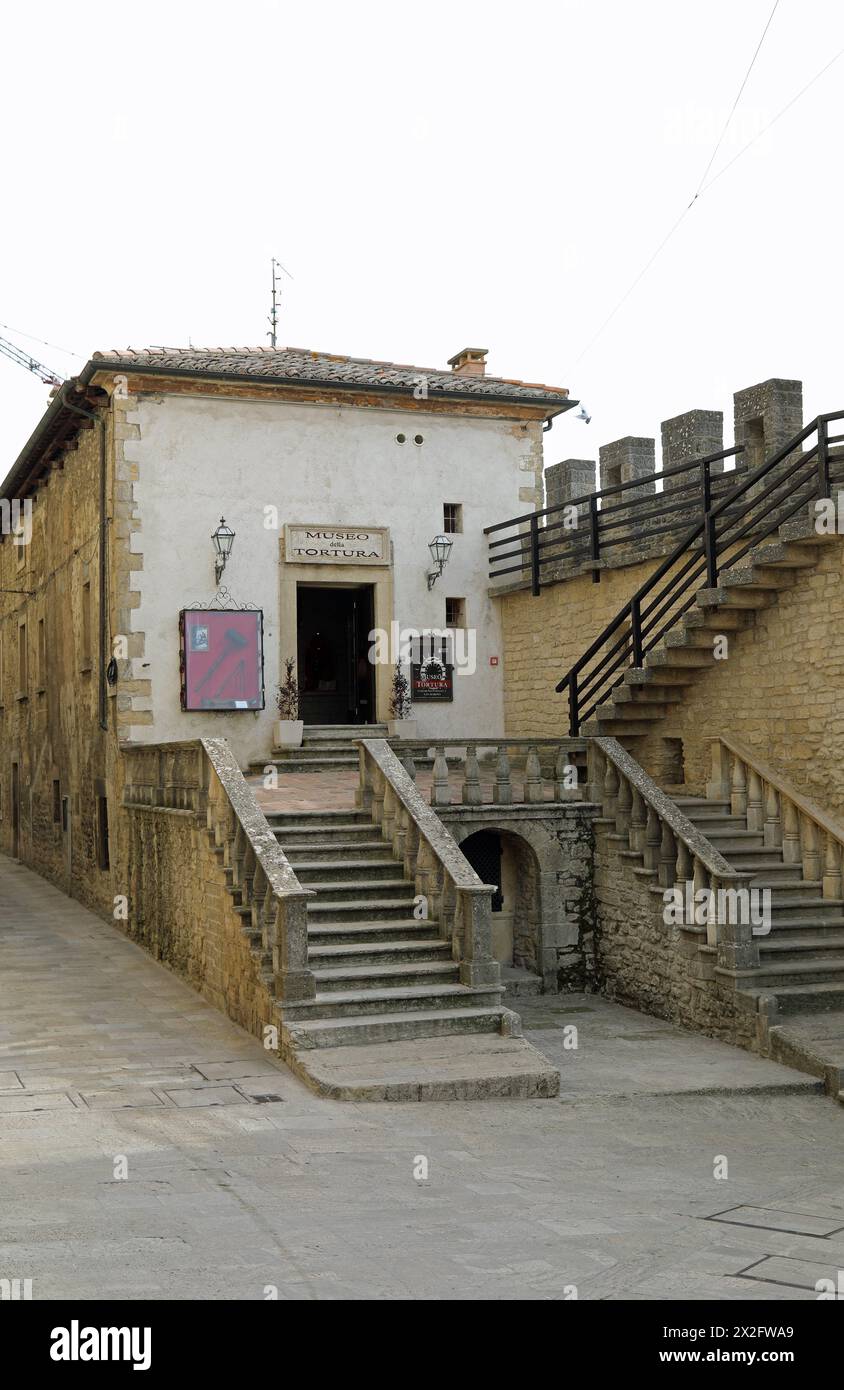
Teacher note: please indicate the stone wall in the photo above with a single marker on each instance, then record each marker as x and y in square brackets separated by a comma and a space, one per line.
[643, 963]
[554, 919]
[544, 636]
[780, 691]
[182, 913]
[49, 717]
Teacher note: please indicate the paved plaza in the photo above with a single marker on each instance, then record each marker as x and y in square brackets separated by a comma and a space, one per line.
[239, 1182]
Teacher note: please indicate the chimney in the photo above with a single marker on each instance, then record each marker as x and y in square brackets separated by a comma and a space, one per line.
[469, 362]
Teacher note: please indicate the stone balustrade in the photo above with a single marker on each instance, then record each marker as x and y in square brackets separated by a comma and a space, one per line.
[503, 772]
[787, 820]
[445, 880]
[201, 779]
[673, 851]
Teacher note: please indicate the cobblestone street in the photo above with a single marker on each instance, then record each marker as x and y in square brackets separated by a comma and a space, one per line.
[237, 1178]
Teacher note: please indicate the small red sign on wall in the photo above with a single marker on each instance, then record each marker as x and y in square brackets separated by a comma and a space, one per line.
[222, 658]
[493, 661]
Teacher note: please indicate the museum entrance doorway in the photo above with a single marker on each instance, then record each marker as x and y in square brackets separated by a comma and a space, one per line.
[336, 677]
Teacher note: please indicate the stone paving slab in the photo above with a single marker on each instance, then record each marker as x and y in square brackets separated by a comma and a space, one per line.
[622, 1052]
[611, 1188]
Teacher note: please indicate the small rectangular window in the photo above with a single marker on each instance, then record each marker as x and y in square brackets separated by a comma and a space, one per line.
[452, 518]
[57, 802]
[455, 612]
[42, 653]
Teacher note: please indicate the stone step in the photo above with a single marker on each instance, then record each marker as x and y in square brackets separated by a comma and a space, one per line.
[375, 953]
[373, 849]
[789, 908]
[807, 998]
[677, 658]
[771, 869]
[328, 871]
[822, 970]
[305, 822]
[391, 931]
[641, 675]
[802, 890]
[374, 891]
[784, 556]
[396, 1027]
[797, 927]
[647, 695]
[797, 946]
[472, 1067]
[316, 733]
[319, 839]
[322, 911]
[684, 802]
[737, 841]
[411, 974]
[754, 577]
[734, 597]
[334, 763]
[713, 824]
[403, 999]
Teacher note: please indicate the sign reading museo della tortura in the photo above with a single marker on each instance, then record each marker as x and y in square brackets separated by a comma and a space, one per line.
[338, 545]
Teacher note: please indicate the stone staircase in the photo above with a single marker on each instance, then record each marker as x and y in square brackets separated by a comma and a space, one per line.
[646, 694]
[802, 959]
[383, 976]
[325, 748]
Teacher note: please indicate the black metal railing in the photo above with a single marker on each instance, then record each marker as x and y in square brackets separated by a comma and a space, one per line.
[584, 529]
[731, 526]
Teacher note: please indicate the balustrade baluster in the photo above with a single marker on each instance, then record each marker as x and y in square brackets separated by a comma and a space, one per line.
[503, 795]
[610, 793]
[638, 823]
[533, 777]
[755, 805]
[772, 829]
[811, 849]
[441, 790]
[623, 806]
[653, 837]
[831, 867]
[683, 869]
[738, 793]
[791, 850]
[472, 779]
[667, 856]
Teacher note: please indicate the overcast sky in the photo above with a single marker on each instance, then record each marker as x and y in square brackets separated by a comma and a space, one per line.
[433, 176]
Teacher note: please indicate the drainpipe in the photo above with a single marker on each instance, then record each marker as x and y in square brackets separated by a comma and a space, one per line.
[99, 421]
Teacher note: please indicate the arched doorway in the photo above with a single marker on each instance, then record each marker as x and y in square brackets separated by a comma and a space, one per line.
[508, 861]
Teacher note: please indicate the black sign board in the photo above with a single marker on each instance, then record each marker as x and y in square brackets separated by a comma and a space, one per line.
[431, 680]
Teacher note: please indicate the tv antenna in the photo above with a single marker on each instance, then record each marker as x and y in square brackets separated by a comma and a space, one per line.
[273, 318]
[23, 359]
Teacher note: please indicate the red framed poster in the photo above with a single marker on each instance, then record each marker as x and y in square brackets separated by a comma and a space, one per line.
[222, 658]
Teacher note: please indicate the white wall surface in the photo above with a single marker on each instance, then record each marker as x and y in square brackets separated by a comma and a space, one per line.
[200, 458]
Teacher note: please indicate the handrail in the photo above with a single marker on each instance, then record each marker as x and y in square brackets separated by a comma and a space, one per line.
[809, 471]
[537, 547]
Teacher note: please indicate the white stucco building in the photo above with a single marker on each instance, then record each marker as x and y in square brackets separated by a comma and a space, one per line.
[334, 474]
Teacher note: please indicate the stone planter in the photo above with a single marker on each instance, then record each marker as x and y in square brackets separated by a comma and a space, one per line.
[402, 728]
[288, 733]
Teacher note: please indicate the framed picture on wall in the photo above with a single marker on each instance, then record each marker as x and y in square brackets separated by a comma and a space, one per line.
[222, 658]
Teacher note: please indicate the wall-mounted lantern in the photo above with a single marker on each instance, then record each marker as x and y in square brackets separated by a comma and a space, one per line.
[440, 548]
[223, 539]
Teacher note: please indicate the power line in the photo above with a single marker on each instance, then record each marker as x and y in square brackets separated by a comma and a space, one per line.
[32, 338]
[773, 122]
[736, 102]
[702, 186]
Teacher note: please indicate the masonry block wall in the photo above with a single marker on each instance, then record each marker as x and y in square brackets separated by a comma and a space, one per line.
[544, 636]
[657, 968]
[49, 684]
[181, 912]
[780, 690]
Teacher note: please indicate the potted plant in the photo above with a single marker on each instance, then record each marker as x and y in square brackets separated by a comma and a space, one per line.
[400, 725]
[288, 727]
